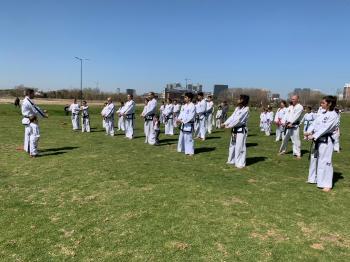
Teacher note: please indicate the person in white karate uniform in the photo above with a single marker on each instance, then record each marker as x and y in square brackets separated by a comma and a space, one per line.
[177, 109]
[108, 114]
[121, 124]
[218, 117]
[103, 119]
[238, 122]
[29, 109]
[74, 108]
[168, 115]
[320, 132]
[161, 110]
[34, 136]
[209, 114]
[262, 117]
[279, 118]
[267, 119]
[201, 108]
[336, 133]
[308, 118]
[151, 110]
[291, 125]
[145, 127]
[129, 115]
[85, 118]
[186, 122]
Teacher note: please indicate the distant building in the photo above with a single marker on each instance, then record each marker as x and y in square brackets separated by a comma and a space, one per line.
[131, 92]
[175, 91]
[275, 97]
[219, 89]
[346, 91]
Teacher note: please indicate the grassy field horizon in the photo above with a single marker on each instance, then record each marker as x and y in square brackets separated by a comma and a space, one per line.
[90, 197]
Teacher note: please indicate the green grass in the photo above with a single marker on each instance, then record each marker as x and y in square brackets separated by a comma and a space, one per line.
[97, 198]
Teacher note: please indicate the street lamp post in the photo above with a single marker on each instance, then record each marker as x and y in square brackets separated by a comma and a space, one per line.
[81, 77]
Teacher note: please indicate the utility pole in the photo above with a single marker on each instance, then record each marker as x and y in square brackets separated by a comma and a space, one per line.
[81, 77]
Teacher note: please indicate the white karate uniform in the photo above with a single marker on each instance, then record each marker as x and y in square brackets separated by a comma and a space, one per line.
[103, 119]
[209, 116]
[201, 108]
[218, 118]
[29, 109]
[129, 112]
[85, 119]
[34, 139]
[108, 114]
[237, 149]
[321, 168]
[75, 109]
[336, 136]
[307, 120]
[121, 124]
[187, 116]
[161, 117]
[267, 119]
[145, 126]
[279, 118]
[168, 115]
[293, 116]
[149, 128]
[177, 109]
[261, 126]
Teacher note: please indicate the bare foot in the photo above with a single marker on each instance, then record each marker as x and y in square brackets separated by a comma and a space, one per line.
[326, 189]
[298, 157]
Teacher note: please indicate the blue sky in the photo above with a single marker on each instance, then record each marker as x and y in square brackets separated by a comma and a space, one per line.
[279, 45]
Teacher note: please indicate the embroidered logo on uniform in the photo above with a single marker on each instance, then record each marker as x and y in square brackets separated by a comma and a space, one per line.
[328, 163]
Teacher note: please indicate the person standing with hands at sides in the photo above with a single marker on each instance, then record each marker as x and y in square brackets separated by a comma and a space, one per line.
[108, 114]
[201, 109]
[74, 108]
[177, 108]
[30, 109]
[291, 127]
[156, 124]
[308, 118]
[149, 114]
[85, 118]
[103, 119]
[320, 132]
[186, 122]
[129, 115]
[161, 110]
[145, 127]
[34, 136]
[209, 114]
[238, 122]
[121, 125]
[218, 117]
[279, 117]
[168, 115]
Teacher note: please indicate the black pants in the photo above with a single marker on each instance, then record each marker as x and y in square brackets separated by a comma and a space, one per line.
[157, 136]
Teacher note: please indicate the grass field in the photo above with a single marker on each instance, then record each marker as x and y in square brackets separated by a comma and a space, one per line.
[95, 198]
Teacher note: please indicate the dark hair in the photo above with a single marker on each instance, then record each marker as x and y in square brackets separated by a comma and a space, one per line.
[29, 91]
[332, 100]
[152, 93]
[244, 100]
[170, 100]
[309, 107]
[84, 101]
[200, 94]
[284, 102]
[122, 102]
[131, 95]
[210, 96]
[189, 95]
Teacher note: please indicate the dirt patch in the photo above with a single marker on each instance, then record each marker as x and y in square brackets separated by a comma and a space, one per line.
[221, 248]
[271, 234]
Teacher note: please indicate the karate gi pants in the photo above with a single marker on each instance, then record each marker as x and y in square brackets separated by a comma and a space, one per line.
[121, 124]
[279, 133]
[200, 128]
[85, 124]
[238, 150]
[267, 129]
[33, 144]
[75, 121]
[109, 126]
[336, 137]
[129, 128]
[321, 168]
[185, 143]
[150, 133]
[210, 123]
[218, 123]
[293, 134]
[26, 145]
[169, 127]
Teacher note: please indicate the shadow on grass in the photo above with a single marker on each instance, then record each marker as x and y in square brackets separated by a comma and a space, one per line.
[253, 160]
[212, 137]
[58, 149]
[53, 153]
[251, 144]
[249, 135]
[95, 130]
[336, 177]
[203, 150]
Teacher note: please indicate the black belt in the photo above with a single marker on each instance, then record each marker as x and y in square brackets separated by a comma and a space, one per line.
[149, 117]
[239, 130]
[185, 131]
[321, 140]
[130, 116]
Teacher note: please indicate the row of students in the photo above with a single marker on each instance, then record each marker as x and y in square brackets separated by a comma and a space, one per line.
[76, 110]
